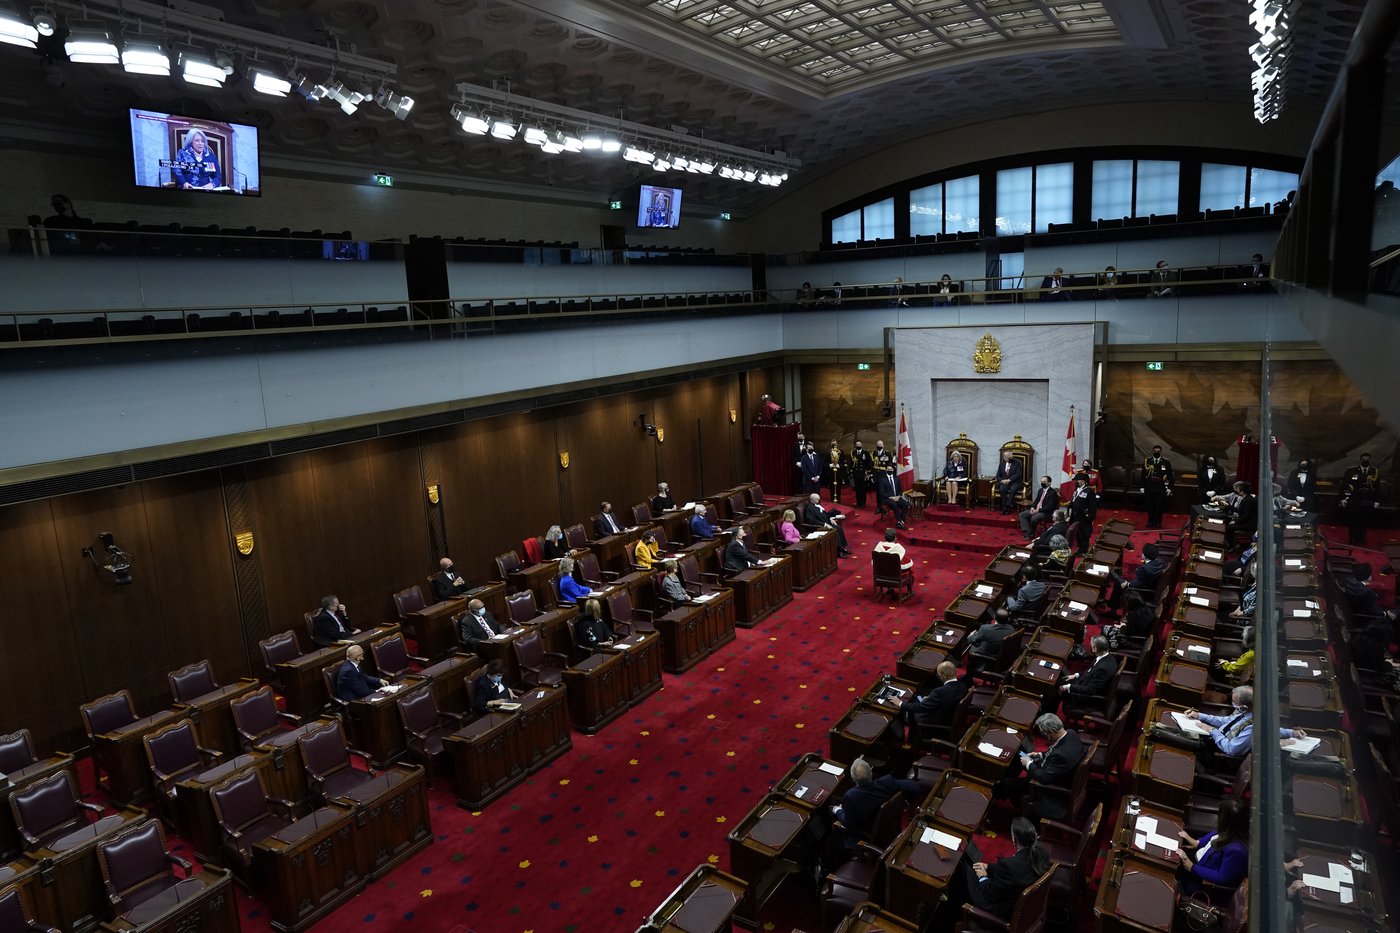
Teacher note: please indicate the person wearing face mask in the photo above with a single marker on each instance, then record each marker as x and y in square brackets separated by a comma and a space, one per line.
[1044, 503]
[1157, 478]
[1210, 481]
[862, 473]
[1008, 483]
[884, 465]
[1231, 734]
[606, 524]
[477, 626]
[809, 465]
[590, 629]
[1302, 485]
[798, 453]
[1360, 486]
[351, 683]
[488, 690]
[836, 471]
[448, 583]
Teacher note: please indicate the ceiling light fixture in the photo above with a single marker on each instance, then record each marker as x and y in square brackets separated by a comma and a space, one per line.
[15, 31]
[145, 57]
[535, 136]
[91, 47]
[502, 128]
[265, 82]
[196, 69]
[470, 120]
[45, 23]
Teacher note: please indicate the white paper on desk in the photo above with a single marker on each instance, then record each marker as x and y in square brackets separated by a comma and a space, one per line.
[1301, 746]
[940, 838]
[704, 597]
[769, 562]
[1146, 824]
[829, 768]
[688, 506]
[1198, 600]
[1140, 840]
[1198, 649]
[814, 534]
[1189, 591]
[987, 748]
[1212, 555]
[1021, 554]
[800, 791]
[1311, 603]
[1344, 895]
[501, 637]
[984, 590]
[1292, 562]
[949, 633]
[1322, 883]
[1293, 527]
[540, 695]
[1098, 569]
[1302, 613]
[1341, 872]
[1294, 662]
[1216, 521]
[621, 645]
[1077, 607]
[1189, 725]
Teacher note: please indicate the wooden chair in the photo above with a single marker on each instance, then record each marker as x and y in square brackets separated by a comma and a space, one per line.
[425, 727]
[277, 650]
[968, 449]
[890, 577]
[1069, 848]
[1023, 454]
[1028, 916]
[137, 866]
[537, 666]
[1071, 799]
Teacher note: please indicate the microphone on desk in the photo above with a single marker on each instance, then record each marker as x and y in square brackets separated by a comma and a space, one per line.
[245, 181]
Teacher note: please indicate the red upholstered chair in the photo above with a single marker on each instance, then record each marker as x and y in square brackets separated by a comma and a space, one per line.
[1028, 916]
[1072, 849]
[328, 768]
[409, 600]
[48, 810]
[756, 498]
[174, 753]
[537, 666]
[17, 751]
[243, 811]
[103, 715]
[391, 657]
[192, 681]
[641, 514]
[137, 866]
[533, 549]
[589, 572]
[256, 717]
[625, 618]
[575, 537]
[279, 649]
[890, 577]
[15, 919]
[425, 726]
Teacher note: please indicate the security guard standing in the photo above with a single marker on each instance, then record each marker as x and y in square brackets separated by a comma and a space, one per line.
[1157, 479]
[862, 473]
[1360, 488]
[884, 463]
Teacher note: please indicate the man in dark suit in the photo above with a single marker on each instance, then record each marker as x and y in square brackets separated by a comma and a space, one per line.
[1009, 480]
[1244, 511]
[1364, 600]
[1098, 679]
[1043, 505]
[351, 683]
[1157, 477]
[1083, 506]
[939, 705]
[606, 524]
[809, 465]
[737, 558]
[1031, 591]
[477, 625]
[985, 641]
[488, 691]
[1149, 571]
[1059, 525]
[1055, 766]
[889, 496]
[448, 583]
[700, 527]
[815, 517]
[1302, 485]
[862, 472]
[1052, 287]
[997, 887]
[331, 624]
[1210, 482]
[1360, 491]
[858, 808]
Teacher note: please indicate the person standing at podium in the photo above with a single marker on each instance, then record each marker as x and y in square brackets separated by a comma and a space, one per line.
[488, 690]
[351, 683]
[448, 583]
[332, 623]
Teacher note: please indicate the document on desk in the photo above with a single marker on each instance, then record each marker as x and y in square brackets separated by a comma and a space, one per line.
[1323, 882]
[1077, 607]
[1300, 746]
[830, 768]
[704, 597]
[1022, 555]
[1302, 613]
[987, 748]
[1198, 600]
[508, 707]
[984, 590]
[1292, 562]
[1189, 590]
[1212, 555]
[1189, 725]
[1312, 604]
[940, 839]
[814, 534]
[1098, 570]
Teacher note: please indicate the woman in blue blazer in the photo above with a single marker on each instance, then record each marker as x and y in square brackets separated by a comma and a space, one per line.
[1221, 857]
[954, 473]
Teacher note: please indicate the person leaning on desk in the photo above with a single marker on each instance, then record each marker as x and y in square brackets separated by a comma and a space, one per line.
[488, 691]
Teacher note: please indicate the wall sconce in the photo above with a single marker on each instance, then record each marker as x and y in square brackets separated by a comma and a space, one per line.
[243, 541]
[434, 493]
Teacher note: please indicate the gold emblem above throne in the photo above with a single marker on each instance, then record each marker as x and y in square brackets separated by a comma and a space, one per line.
[987, 357]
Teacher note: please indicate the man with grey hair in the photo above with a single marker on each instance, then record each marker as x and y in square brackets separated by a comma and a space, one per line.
[939, 705]
[1054, 767]
[1230, 735]
[814, 516]
[351, 683]
[857, 810]
[1059, 525]
[1098, 679]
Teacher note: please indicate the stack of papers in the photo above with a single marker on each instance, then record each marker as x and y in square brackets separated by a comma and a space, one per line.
[1145, 834]
[1338, 880]
[1212, 555]
[704, 597]
[984, 590]
[1021, 554]
[940, 839]
[1302, 613]
[814, 534]
[1198, 600]
[1077, 607]
[1098, 570]
[689, 506]
[1189, 725]
[987, 748]
[1292, 562]
[1300, 746]
[830, 768]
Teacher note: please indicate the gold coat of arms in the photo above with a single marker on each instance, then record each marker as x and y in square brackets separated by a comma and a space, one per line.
[244, 541]
[563, 459]
[434, 493]
[986, 358]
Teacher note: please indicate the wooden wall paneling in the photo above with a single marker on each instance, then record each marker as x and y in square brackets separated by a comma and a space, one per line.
[400, 530]
[249, 589]
[296, 570]
[120, 629]
[191, 554]
[678, 459]
[432, 472]
[711, 400]
[612, 458]
[40, 679]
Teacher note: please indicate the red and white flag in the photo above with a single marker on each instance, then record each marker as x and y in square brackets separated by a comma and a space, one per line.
[904, 455]
[1070, 462]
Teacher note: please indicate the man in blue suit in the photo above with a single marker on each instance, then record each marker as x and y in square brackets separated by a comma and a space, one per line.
[351, 683]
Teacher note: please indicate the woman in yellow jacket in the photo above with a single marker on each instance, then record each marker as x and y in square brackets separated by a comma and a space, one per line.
[647, 551]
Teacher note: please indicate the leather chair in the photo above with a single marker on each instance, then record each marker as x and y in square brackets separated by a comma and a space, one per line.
[192, 681]
[409, 600]
[1115, 481]
[890, 577]
[591, 573]
[279, 649]
[625, 618]
[48, 810]
[696, 582]
[969, 449]
[327, 761]
[1387, 797]
[1113, 739]
[853, 882]
[174, 753]
[17, 751]
[757, 498]
[309, 620]
[425, 726]
[575, 537]
[1028, 916]
[923, 735]
[641, 514]
[1105, 705]
[103, 715]
[337, 707]
[15, 919]
[256, 717]
[137, 866]
[391, 657]
[243, 811]
[537, 666]
[1071, 799]
[989, 668]
[1202, 811]
[507, 565]
[522, 608]
[1024, 454]
[1072, 850]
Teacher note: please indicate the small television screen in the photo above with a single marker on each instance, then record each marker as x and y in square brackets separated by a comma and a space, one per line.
[192, 154]
[345, 249]
[659, 207]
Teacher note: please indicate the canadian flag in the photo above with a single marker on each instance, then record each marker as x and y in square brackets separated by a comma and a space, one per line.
[1071, 460]
[904, 455]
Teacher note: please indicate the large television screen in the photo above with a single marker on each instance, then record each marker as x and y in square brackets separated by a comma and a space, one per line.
[659, 207]
[191, 154]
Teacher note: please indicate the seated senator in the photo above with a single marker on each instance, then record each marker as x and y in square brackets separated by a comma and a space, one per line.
[954, 473]
[1149, 571]
[1096, 681]
[488, 690]
[662, 501]
[997, 887]
[477, 625]
[700, 525]
[986, 639]
[646, 551]
[1031, 591]
[858, 808]
[671, 586]
[737, 557]
[555, 545]
[1055, 767]
[606, 524]
[570, 590]
[590, 629]
[196, 166]
[1220, 857]
[787, 528]
[447, 582]
[939, 705]
[351, 683]
[1138, 619]
[331, 624]
[814, 516]
[1230, 735]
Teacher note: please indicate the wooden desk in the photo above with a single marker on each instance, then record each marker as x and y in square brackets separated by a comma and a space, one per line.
[1114, 539]
[307, 870]
[377, 726]
[436, 635]
[813, 558]
[10, 842]
[537, 578]
[1163, 773]
[967, 612]
[980, 762]
[1200, 596]
[1197, 620]
[720, 618]
[204, 902]
[1304, 625]
[195, 808]
[597, 690]
[683, 643]
[287, 776]
[1050, 644]
[612, 550]
[495, 752]
[390, 819]
[1037, 675]
[1011, 706]
[641, 664]
[446, 680]
[888, 693]
[212, 717]
[1188, 648]
[946, 635]
[917, 870]
[958, 802]
[1205, 573]
[1007, 565]
[1313, 704]
[703, 903]
[813, 781]
[1136, 895]
[1103, 554]
[761, 591]
[918, 663]
[122, 755]
[767, 845]
[1180, 681]
[1118, 526]
[1326, 808]
[304, 691]
[864, 731]
[1365, 890]
[70, 894]
[1093, 572]
[868, 917]
[1141, 839]
[1064, 617]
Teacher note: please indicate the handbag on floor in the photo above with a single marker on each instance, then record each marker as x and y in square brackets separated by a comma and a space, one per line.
[1198, 913]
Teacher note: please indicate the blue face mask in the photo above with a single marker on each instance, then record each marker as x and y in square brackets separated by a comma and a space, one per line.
[495, 678]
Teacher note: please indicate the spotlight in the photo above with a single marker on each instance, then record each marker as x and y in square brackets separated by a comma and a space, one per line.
[470, 120]
[535, 136]
[15, 31]
[634, 154]
[704, 167]
[267, 83]
[199, 70]
[501, 128]
[45, 23]
[592, 142]
[680, 161]
[747, 175]
[397, 104]
[145, 57]
[571, 142]
[612, 145]
[91, 47]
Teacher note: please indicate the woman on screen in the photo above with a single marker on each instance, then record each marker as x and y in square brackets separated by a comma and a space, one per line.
[660, 208]
[196, 166]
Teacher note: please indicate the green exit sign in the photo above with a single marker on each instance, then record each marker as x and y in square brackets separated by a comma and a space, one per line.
[614, 205]
[1154, 367]
[384, 181]
[863, 367]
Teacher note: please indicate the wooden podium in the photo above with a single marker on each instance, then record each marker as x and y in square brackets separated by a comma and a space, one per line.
[703, 903]
[307, 870]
